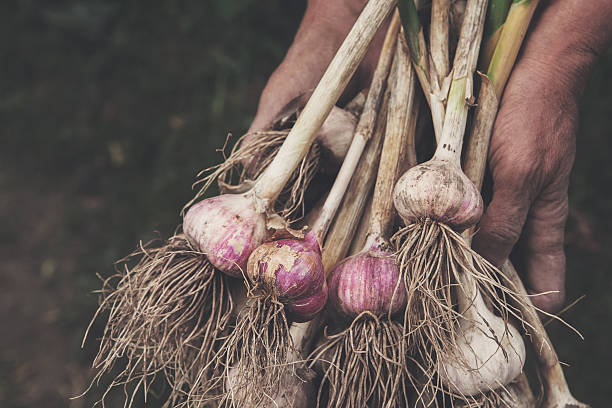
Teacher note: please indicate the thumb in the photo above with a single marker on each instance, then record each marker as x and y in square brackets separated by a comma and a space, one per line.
[541, 249]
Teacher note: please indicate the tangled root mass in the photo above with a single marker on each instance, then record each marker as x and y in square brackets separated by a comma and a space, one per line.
[364, 365]
[250, 156]
[431, 257]
[166, 314]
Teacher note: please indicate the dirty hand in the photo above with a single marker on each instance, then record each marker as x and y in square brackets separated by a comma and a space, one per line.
[533, 144]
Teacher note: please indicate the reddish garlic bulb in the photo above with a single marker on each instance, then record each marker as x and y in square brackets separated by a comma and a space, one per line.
[227, 228]
[292, 270]
[368, 281]
[439, 190]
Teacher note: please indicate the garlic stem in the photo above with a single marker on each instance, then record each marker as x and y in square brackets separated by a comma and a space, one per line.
[496, 16]
[464, 65]
[510, 41]
[398, 133]
[361, 233]
[480, 135]
[492, 88]
[369, 114]
[556, 390]
[363, 133]
[415, 41]
[348, 217]
[438, 38]
[325, 95]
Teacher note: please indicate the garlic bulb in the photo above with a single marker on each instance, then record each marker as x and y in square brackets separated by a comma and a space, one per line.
[438, 190]
[292, 271]
[368, 281]
[226, 228]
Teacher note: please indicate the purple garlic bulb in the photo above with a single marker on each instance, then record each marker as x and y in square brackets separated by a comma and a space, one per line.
[292, 270]
[226, 228]
[368, 281]
[441, 191]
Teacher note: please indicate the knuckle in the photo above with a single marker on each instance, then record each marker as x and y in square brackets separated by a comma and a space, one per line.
[502, 233]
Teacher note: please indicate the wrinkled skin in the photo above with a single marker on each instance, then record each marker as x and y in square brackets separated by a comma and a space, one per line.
[533, 144]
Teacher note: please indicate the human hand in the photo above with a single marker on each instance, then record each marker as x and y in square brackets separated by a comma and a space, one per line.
[533, 145]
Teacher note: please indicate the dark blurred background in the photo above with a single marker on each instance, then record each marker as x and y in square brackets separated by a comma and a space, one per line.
[107, 111]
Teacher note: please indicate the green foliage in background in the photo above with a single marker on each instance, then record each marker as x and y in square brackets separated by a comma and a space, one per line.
[108, 109]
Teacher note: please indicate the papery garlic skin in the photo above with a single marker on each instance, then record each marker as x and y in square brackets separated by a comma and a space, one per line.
[292, 270]
[438, 190]
[486, 355]
[336, 134]
[226, 228]
[368, 281]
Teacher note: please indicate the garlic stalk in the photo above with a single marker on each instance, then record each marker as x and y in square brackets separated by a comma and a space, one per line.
[365, 364]
[295, 387]
[437, 200]
[287, 284]
[415, 39]
[556, 390]
[498, 11]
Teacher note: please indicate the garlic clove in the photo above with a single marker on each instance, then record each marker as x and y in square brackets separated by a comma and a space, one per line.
[227, 228]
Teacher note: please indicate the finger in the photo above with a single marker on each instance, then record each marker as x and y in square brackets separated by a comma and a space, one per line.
[542, 249]
[502, 222]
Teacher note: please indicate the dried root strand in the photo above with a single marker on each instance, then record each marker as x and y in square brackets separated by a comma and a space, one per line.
[364, 365]
[431, 256]
[249, 157]
[491, 399]
[166, 313]
[258, 355]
